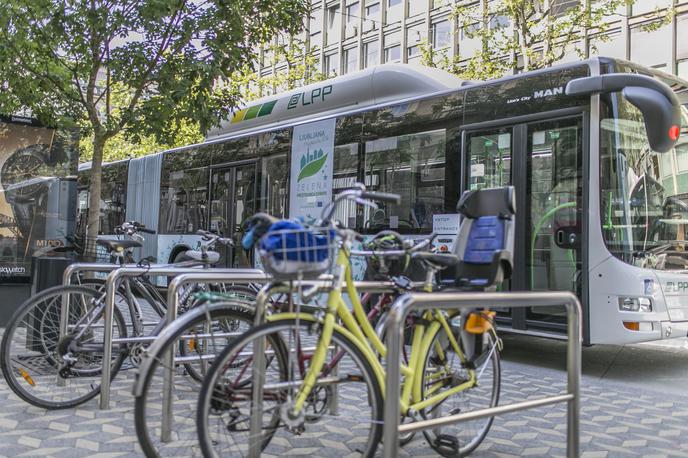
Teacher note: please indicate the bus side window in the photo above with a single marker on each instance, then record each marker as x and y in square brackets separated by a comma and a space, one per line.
[410, 165]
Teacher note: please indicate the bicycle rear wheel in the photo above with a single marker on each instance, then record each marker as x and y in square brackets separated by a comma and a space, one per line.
[443, 369]
[31, 350]
[225, 402]
[202, 332]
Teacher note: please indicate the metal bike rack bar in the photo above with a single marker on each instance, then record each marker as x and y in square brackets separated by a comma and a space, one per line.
[403, 305]
[112, 282]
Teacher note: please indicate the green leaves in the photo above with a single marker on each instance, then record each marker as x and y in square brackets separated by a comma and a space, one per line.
[312, 168]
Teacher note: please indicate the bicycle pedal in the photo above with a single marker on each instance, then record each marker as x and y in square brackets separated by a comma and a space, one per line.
[446, 445]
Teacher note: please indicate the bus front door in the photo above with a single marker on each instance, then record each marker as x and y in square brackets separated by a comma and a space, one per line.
[233, 199]
[553, 214]
[543, 161]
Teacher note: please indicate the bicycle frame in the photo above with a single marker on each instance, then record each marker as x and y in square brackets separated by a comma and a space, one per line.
[358, 329]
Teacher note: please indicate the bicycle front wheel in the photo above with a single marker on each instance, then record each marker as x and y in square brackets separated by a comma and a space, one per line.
[32, 348]
[343, 412]
[443, 370]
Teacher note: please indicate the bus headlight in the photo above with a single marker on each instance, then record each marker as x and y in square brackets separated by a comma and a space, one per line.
[635, 304]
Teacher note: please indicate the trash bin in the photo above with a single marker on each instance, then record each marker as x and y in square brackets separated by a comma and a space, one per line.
[47, 271]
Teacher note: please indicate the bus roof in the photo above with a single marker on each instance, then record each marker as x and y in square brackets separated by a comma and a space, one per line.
[373, 86]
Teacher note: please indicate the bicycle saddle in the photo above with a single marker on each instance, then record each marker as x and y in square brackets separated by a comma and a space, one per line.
[118, 245]
[438, 261]
[195, 255]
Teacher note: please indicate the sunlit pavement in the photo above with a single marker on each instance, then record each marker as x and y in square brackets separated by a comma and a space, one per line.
[634, 403]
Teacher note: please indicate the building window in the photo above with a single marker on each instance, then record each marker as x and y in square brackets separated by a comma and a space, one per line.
[372, 11]
[394, 11]
[352, 12]
[648, 6]
[644, 48]
[441, 34]
[682, 68]
[414, 37]
[393, 53]
[372, 53]
[333, 29]
[469, 30]
[332, 65]
[372, 17]
[499, 22]
[559, 8]
[610, 45]
[315, 24]
[682, 37]
[415, 7]
[350, 60]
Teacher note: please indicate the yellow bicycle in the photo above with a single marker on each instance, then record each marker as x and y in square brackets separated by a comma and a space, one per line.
[334, 397]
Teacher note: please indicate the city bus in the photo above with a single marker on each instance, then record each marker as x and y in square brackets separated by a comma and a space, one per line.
[599, 212]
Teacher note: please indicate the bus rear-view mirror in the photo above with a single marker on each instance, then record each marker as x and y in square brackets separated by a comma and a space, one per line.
[659, 105]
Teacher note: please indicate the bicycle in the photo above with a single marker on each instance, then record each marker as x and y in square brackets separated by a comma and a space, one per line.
[51, 351]
[261, 365]
[210, 327]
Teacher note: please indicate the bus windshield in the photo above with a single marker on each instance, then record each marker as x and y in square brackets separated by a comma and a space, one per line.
[643, 194]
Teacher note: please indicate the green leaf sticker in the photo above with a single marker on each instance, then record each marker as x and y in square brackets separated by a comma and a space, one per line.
[312, 168]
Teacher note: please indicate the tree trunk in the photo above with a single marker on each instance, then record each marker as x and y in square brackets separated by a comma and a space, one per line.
[93, 222]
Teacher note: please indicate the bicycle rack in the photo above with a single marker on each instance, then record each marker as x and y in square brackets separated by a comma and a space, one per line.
[461, 300]
[111, 283]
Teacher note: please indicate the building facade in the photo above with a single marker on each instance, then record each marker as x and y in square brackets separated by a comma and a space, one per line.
[350, 35]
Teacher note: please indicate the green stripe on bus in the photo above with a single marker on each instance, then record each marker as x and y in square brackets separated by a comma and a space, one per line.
[266, 108]
[252, 112]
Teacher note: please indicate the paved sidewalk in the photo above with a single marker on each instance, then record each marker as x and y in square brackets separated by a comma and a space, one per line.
[616, 421]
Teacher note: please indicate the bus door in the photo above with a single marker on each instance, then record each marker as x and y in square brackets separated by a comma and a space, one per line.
[553, 210]
[543, 160]
[233, 199]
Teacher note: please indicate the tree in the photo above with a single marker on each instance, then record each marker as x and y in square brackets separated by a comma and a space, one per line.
[137, 67]
[538, 32]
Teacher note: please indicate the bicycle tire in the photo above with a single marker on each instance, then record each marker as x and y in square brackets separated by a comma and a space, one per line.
[208, 401]
[146, 422]
[30, 360]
